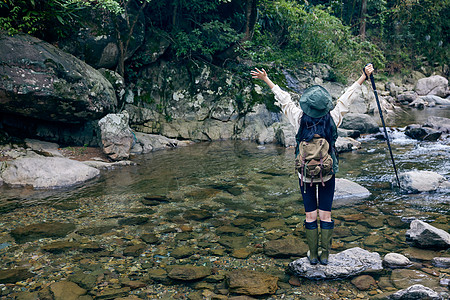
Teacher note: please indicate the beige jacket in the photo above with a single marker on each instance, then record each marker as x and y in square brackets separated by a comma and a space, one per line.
[294, 112]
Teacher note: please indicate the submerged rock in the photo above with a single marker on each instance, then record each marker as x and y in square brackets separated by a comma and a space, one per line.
[416, 291]
[250, 282]
[422, 181]
[424, 235]
[364, 282]
[188, 273]
[66, 290]
[287, 247]
[14, 275]
[41, 230]
[47, 172]
[422, 133]
[344, 264]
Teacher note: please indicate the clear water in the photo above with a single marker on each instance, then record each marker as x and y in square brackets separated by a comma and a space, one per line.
[231, 179]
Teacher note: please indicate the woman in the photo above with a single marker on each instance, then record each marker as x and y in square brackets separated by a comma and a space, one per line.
[316, 119]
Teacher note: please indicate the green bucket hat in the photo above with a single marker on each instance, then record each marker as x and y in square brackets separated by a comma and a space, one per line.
[316, 102]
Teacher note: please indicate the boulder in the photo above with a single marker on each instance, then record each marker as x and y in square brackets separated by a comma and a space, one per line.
[66, 290]
[348, 193]
[420, 103]
[252, 283]
[424, 235]
[347, 263]
[117, 137]
[396, 260]
[43, 148]
[47, 172]
[416, 291]
[152, 142]
[407, 97]
[43, 82]
[361, 122]
[345, 144]
[434, 85]
[422, 133]
[286, 247]
[438, 123]
[422, 181]
[434, 100]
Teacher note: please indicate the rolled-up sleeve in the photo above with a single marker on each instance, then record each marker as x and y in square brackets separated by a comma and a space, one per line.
[288, 107]
[343, 104]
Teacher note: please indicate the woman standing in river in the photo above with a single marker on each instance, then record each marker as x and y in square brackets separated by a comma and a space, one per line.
[315, 122]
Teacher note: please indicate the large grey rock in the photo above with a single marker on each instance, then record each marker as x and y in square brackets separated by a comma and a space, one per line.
[433, 100]
[154, 142]
[422, 181]
[43, 148]
[348, 193]
[441, 262]
[434, 85]
[47, 173]
[43, 82]
[438, 123]
[424, 235]
[407, 97]
[257, 126]
[361, 122]
[117, 137]
[416, 291]
[344, 264]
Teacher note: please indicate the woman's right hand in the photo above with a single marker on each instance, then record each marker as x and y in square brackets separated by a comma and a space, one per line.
[259, 74]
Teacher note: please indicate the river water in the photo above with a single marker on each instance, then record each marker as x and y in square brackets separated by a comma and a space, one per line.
[202, 188]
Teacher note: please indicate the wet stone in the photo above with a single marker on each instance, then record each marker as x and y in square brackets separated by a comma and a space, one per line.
[273, 224]
[133, 221]
[66, 206]
[86, 281]
[182, 252]
[42, 230]
[250, 282]
[14, 275]
[229, 230]
[341, 231]
[374, 240]
[234, 242]
[95, 230]
[375, 222]
[66, 290]
[154, 200]
[188, 273]
[157, 275]
[364, 282]
[353, 217]
[416, 291]
[396, 260]
[60, 246]
[396, 222]
[134, 250]
[287, 247]
[183, 236]
[241, 253]
[197, 214]
[257, 216]
[403, 278]
[150, 238]
[112, 293]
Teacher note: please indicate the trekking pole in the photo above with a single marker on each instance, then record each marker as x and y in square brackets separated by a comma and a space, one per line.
[382, 122]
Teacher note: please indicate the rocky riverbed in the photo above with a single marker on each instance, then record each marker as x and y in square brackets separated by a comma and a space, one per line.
[218, 233]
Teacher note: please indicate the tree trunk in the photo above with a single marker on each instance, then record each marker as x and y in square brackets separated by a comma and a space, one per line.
[251, 19]
[362, 27]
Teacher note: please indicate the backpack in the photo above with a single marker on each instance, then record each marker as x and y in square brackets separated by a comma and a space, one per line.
[313, 159]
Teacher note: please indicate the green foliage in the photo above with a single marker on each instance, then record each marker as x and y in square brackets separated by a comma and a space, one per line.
[291, 33]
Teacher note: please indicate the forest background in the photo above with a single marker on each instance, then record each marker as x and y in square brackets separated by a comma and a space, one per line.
[396, 35]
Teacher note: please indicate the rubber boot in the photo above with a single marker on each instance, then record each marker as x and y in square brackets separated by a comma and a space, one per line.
[312, 238]
[326, 233]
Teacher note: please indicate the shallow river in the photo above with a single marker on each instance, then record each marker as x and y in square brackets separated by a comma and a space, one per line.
[207, 186]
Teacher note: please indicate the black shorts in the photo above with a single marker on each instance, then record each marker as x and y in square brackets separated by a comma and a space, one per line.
[326, 195]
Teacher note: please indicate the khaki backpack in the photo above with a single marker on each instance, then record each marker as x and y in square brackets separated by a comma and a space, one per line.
[313, 160]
